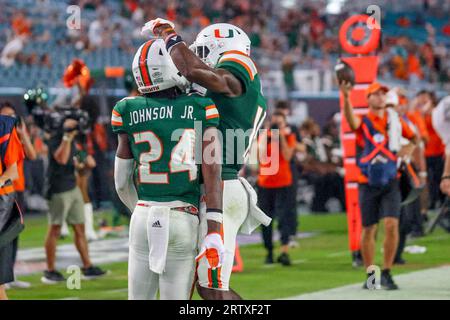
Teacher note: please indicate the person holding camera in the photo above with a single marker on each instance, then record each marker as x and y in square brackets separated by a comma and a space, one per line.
[275, 190]
[66, 201]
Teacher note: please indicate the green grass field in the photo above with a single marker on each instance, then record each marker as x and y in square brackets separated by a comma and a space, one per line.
[320, 262]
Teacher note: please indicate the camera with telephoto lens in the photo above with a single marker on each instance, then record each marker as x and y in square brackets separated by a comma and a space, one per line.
[52, 121]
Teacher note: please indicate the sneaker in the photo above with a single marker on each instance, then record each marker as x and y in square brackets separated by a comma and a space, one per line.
[387, 282]
[19, 284]
[357, 259]
[284, 259]
[92, 272]
[293, 243]
[52, 277]
[269, 259]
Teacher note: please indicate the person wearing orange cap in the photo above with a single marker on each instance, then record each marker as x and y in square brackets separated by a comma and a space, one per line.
[378, 136]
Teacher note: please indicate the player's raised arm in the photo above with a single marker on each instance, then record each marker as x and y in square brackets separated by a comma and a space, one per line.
[353, 121]
[191, 66]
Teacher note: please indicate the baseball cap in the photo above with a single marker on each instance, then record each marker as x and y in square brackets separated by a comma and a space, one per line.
[374, 87]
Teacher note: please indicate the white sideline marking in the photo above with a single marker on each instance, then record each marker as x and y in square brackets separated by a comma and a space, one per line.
[338, 254]
[429, 284]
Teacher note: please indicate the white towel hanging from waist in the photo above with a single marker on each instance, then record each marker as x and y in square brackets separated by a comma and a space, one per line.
[158, 221]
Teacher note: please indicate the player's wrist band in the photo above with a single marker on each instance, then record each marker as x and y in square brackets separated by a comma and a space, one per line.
[172, 40]
[169, 30]
[445, 178]
[214, 215]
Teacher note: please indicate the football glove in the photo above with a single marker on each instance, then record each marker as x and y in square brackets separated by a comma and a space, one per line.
[148, 29]
[213, 250]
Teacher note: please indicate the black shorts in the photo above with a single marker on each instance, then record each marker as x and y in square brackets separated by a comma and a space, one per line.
[6, 246]
[379, 202]
[6, 264]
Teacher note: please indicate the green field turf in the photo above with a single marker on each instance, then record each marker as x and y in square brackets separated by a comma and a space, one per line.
[321, 262]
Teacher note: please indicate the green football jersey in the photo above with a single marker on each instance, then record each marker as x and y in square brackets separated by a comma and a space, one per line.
[240, 117]
[163, 135]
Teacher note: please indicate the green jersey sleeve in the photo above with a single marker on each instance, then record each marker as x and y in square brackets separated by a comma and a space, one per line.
[116, 117]
[240, 65]
[208, 111]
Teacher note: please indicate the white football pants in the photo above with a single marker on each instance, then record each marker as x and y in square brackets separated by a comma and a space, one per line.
[235, 209]
[176, 281]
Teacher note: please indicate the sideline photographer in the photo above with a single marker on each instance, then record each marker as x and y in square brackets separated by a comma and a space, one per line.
[65, 201]
[275, 191]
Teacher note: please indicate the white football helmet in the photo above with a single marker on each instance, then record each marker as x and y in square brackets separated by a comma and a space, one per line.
[154, 70]
[218, 38]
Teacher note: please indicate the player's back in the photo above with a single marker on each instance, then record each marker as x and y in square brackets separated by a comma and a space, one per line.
[246, 112]
[162, 135]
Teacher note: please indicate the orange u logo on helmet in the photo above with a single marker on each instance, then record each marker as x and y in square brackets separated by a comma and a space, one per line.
[218, 35]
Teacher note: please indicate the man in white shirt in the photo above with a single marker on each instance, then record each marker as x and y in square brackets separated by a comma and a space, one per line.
[441, 122]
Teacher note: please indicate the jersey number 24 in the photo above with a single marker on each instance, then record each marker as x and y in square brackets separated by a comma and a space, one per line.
[181, 159]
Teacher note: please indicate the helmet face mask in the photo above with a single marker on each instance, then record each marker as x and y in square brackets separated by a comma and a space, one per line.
[153, 69]
[202, 52]
[206, 51]
[216, 39]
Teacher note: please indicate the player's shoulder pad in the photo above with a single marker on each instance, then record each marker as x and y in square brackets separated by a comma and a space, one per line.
[240, 59]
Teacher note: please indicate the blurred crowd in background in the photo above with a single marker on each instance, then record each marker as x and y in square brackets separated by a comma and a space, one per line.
[284, 36]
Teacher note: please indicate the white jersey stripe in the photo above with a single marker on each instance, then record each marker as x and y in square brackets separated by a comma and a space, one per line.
[116, 118]
[243, 59]
[211, 112]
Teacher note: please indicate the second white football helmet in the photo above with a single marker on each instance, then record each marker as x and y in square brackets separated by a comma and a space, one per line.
[154, 70]
[218, 38]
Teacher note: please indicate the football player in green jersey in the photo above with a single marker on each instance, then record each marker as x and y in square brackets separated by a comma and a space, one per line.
[156, 175]
[221, 64]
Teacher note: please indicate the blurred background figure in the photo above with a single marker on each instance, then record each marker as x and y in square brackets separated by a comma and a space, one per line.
[410, 215]
[275, 191]
[285, 108]
[425, 102]
[322, 164]
[6, 109]
[11, 154]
